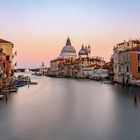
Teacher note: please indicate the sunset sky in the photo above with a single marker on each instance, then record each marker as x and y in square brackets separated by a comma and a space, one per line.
[39, 28]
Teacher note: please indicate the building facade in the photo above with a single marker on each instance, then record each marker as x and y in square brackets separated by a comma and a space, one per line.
[118, 58]
[129, 65]
[7, 48]
[3, 65]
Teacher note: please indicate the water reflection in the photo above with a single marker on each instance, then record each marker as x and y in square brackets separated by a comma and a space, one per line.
[68, 109]
[135, 95]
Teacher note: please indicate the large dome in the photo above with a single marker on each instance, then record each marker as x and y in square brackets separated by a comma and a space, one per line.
[68, 48]
[68, 51]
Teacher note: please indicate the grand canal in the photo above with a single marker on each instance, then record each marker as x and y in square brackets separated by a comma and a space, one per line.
[70, 109]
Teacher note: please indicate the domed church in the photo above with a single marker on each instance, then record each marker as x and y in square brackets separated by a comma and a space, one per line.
[85, 52]
[68, 51]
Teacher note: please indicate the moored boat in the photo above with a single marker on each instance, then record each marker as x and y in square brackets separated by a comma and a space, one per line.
[1, 96]
[13, 89]
[33, 83]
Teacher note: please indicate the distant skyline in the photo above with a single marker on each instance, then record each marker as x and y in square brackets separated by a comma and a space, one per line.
[39, 28]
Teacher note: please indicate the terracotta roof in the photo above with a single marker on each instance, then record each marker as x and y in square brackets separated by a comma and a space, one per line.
[120, 43]
[93, 65]
[137, 48]
[60, 64]
[67, 60]
[58, 59]
[4, 41]
[124, 51]
[136, 41]
[106, 65]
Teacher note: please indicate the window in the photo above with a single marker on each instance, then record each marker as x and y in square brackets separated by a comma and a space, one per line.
[8, 57]
[127, 68]
[127, 57]
[115, 66]
[138, 68]
[123, 59]
[119, 68]
[4, 65]
[138, 56]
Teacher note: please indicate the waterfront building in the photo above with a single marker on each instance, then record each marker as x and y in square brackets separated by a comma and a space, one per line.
[54, 66]
[4, 66]
[43, 69]
[7, 48]
[91, 71]
[86, 63]
[121, 47]
[129, 66]
[110, 67]
[88, 70]
[68, 65]
[99, 74]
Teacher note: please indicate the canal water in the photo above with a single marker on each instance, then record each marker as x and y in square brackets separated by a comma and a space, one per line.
[70, 109]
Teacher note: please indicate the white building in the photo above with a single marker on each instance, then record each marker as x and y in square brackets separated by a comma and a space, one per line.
[99, 73]
[87, 71]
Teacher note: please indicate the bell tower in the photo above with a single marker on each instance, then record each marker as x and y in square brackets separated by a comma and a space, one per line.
[89, 51]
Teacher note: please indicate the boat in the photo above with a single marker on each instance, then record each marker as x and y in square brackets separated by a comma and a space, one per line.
[33, 83]
[19, 84]
[1, 96]
[13, 89]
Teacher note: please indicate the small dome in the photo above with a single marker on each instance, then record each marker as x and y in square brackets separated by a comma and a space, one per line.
[83, 51]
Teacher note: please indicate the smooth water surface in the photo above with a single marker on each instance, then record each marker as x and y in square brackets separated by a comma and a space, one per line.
[70, 109]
